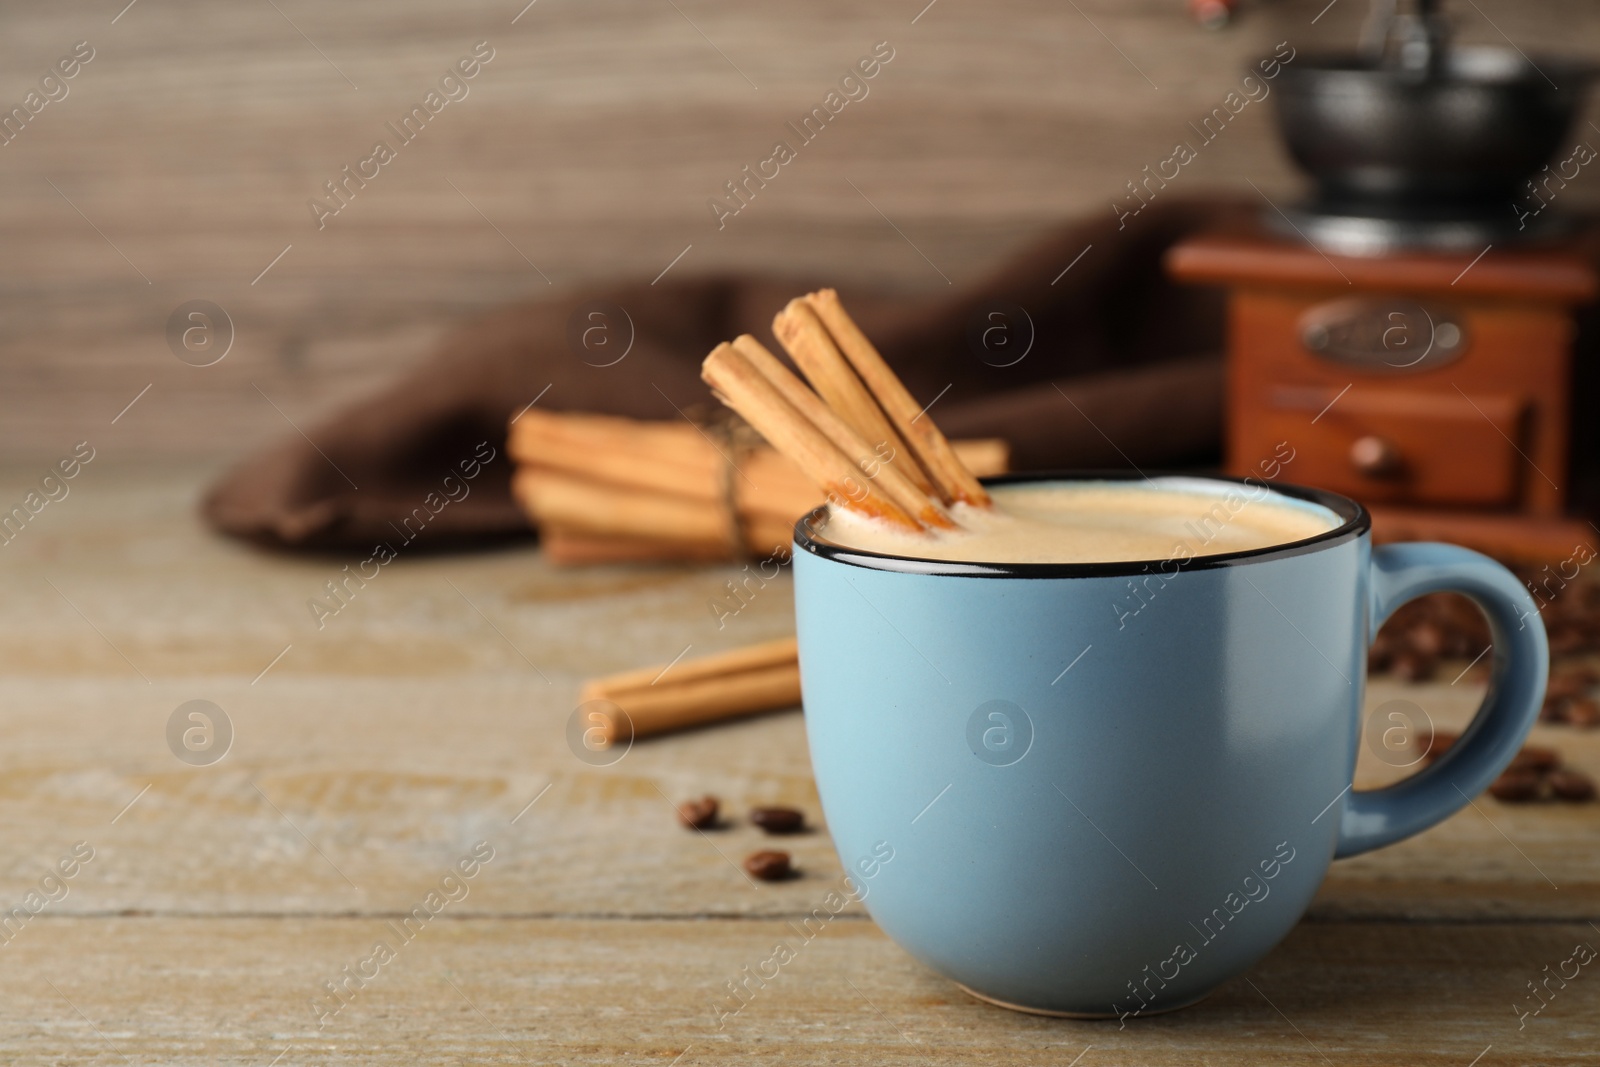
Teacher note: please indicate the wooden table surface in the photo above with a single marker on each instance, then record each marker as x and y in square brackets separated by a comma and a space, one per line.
[371, 756]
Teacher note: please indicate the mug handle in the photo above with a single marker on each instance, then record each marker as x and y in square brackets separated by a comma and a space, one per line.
[1520, 668]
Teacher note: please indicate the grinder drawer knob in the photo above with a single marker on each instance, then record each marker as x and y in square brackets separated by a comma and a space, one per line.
[1376, 457]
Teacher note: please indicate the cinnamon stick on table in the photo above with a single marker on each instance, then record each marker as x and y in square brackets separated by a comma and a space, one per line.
[657, 699]
[571, 499]
[573, 547]
[667, 457]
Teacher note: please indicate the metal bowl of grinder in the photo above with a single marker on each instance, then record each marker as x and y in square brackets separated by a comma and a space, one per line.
[1437, 156]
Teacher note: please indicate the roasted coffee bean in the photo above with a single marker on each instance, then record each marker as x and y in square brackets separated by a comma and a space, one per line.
[1571, 785]
[1554, 709]
[1440, 625]
[1567, 640]
[1535, 758]
[1515, 787]
[776, 820]
[699, 814]
[1562, 686]
[1571, 681]
[1381, 654]
[1426, 639]
[768, 865]
[1582, 713]
[1409, 666]
[1442, 740]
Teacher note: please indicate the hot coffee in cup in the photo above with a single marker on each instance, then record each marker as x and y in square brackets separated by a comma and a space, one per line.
[1107, 724]
[1111, 734]
[1100, 522]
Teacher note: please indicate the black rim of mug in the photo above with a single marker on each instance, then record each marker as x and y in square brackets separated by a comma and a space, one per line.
[1357, 522]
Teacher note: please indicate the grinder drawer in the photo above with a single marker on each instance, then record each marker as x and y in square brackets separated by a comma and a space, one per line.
[1387, 444]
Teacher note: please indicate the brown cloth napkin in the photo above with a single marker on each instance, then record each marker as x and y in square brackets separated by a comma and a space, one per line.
[1123, 369]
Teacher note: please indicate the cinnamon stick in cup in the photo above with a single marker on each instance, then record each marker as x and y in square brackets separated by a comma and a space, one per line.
[954, 481]
[892, 479]
[822, 435]
[747, 391]
[806, 340]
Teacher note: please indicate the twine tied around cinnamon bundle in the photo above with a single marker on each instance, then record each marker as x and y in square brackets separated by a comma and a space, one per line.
[735, 439]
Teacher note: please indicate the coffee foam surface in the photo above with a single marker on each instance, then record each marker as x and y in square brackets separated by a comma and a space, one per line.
[1099, 522]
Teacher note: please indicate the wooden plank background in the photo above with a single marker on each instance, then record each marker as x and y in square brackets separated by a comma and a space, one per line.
[194, 138]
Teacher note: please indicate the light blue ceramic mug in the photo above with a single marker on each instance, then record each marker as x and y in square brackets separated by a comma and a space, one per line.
[1109, 788]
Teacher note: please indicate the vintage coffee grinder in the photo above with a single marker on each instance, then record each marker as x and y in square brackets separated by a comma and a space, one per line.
[1408, 328]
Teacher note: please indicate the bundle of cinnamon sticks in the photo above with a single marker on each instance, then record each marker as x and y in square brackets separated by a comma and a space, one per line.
[606, 489]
